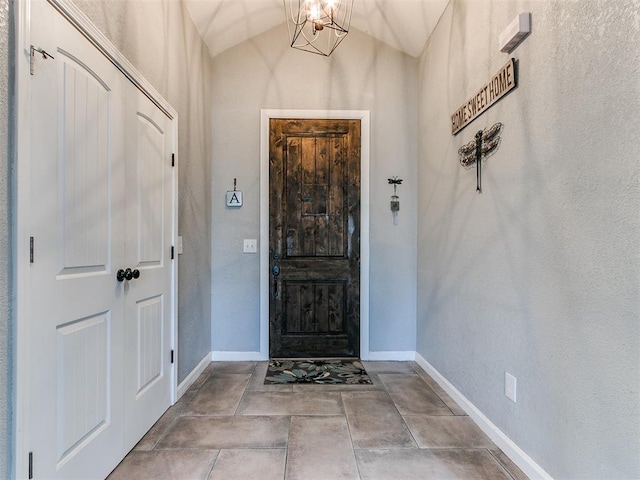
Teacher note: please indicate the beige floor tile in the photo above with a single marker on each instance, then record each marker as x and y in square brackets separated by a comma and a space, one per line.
[368, 403]
[412, 396]
[290, 403]
[226, 368]
[413, 464]
[263, 464]
[226, 432]
[401, 381]
[166, 465]
[320, 449]
[220, 395]
[446, 432]
[444, 396]
[380, 432]
[309, 432]
[507, 464]
[389, 367]
[195, 386]
[157, 431]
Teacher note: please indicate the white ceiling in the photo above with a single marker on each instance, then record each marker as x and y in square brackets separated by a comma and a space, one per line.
[403, 24]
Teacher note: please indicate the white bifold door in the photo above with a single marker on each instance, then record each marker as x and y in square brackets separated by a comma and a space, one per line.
[100, 282]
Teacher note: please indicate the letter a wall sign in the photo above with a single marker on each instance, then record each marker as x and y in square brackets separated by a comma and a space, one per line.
[234, 198]
[500, 84]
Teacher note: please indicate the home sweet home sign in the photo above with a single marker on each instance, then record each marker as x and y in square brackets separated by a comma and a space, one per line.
[500, 84]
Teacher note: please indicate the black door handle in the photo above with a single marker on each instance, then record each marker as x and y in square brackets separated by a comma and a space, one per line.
[120, 275]
[128, 274]
[275, 271]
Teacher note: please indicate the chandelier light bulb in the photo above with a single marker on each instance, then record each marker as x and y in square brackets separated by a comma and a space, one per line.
[314, 13]
[317, 26]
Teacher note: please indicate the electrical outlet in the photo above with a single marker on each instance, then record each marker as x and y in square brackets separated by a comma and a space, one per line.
[250, 245]
[510, 384]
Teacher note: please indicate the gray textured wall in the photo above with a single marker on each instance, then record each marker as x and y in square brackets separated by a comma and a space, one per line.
[540, 275]
[5, 162]
[362, 74]
[159, 38]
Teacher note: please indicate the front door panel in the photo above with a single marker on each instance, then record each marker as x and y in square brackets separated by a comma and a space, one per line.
[314, 237]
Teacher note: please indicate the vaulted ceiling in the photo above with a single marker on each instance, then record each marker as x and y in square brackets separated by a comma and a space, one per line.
[402, 24]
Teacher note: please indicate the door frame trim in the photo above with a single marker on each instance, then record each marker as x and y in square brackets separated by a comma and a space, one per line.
[21, 208]
[364, 117]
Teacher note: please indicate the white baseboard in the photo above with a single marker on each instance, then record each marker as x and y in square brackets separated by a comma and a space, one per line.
[402, 356]
[224, 356]
[515, 453]
[193, 375]
[237, 356]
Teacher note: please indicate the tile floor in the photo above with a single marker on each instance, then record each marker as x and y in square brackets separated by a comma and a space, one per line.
[229, 425]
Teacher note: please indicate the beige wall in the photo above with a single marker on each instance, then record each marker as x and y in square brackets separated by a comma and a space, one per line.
[540, 275]
[362, 74]
[159, 38]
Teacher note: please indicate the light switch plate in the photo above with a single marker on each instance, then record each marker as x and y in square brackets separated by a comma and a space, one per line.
[179, 245]
[250, 245]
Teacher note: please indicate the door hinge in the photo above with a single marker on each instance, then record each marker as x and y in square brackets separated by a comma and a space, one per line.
[171, 356]
[32, 57]
[30, 465]
[171, 252]
[31, 248]
[173, 159]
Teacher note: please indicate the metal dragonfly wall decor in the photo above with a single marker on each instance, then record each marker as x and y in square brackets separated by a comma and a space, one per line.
[485, 144]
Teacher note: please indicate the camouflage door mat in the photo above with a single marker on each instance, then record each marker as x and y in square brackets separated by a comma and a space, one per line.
[338, 371]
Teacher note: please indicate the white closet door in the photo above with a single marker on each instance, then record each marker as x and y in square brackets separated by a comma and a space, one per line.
[101, 201]
[148, 252]
[76, 333]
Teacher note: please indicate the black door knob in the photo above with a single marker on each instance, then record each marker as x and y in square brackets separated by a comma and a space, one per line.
[128, 274]
[120, 275]
[136, 273]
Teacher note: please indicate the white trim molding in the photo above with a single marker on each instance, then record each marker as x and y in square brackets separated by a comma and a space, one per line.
[79, 20]
[399, 356]
[193, 375]
[508, 446]
[222, 356]
[363, 116]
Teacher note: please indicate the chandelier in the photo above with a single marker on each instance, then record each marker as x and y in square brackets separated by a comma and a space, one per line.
[318, 26]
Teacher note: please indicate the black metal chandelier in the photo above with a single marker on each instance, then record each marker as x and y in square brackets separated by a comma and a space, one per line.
[318, 26]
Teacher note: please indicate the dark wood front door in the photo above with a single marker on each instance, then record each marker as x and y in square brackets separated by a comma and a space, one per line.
[314, 238]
